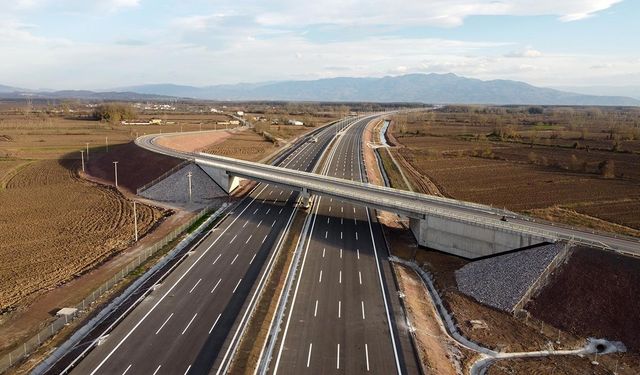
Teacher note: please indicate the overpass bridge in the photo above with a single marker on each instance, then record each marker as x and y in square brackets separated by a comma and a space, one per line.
[462, 228]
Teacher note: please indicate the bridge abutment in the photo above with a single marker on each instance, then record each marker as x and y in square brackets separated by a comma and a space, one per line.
[468, 240]
[226, 181]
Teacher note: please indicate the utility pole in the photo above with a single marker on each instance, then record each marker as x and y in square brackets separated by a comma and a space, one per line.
[135, 221]
[189, 176]
[82, 158]
[87, 151]
[115, 167]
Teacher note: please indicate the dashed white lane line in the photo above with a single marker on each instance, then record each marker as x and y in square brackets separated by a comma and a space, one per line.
[329, 208]
[363, 316]
[358, 253]
[248, 239]
[326, 234]
[218, 257]
[356, 236]
[163, 324]
[245, 223]
[309, 355]
[320, 278]
[315, 310]
[323, 251]
[196, 284]
[258, 226]
[360, 277]
[269, 210]
[279, 212]
[327, 220]
[125, 371]
[366, 355]
[265, 238]
[187, 370]
[157, 369]
[234, 258]
[340, 278]
[274, 223]
[252, 258]
[233, 239]
[340, 235]
[339, 309]
[188, 324]
[238, 284]
[214, 323]
[342, 209]
[341, 221]
[256, 211]
[340, 253]
[271, 192]
[215, 286]
[338, 358]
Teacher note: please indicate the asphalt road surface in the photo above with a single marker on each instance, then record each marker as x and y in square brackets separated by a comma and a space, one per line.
[188, 323]
[344, 315]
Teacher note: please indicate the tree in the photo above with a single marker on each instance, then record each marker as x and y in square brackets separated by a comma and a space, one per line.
[114, 112]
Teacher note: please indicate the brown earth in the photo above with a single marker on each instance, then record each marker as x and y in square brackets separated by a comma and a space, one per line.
[136, 166]
[496, 156]
[245, 145]
[194, 142]
[594, 295]
[622, 364]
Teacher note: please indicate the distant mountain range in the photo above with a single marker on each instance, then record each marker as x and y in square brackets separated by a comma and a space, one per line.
[420, 88]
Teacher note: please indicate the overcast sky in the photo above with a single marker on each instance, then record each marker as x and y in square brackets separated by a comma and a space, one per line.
[80, 44]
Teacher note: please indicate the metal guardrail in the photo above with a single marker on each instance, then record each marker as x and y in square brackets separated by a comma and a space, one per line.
[32, 344]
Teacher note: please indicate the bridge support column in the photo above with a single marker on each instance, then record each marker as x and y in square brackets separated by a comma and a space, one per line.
[468, 240]
[305, 198]
[226, 181]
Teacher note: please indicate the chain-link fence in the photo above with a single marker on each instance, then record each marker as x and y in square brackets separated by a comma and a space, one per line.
[60, 322]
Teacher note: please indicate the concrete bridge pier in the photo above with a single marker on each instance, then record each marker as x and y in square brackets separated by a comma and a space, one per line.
[226, 181]
[305, 198]
[467, 239]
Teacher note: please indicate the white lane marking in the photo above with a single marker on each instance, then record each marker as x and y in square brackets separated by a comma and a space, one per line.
[252, 258]
[340, 278]
[163, 324]
[338, 358]
[329, 208]
[341, 209]
[355, 222]
[320, 278]
[196, 284]
[238, 284]
[245, 223]
[366, 354]
[358, 253]
[265, 238]
[327, 220]
[323, 251]
[315, 310]
[248, 239]
[233, 239]
[360, 277]
[339, 309]
[157, 369]
[309, 355]
[330, 199]
[340, 235]
[214, 323]
[362, 302]
[326, 233]
[214, 262]
[215, 286]
[188, 368]
[341, 221]
[159, 301]
[354, 210]
[275, 201]
[271, 192]
[188, 324]
[234, 258]
[254, 212]
[269, 210]
[340, 253]
[279, 212]
[125, 371]
[356, 236]
[259, 224]
[281, 191]
[274, 223]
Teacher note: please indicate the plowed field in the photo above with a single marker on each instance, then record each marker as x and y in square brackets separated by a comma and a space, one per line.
[55, 226]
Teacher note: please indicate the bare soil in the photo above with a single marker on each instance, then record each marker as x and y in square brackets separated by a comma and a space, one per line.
[594, 295]
[245, 145]
[622, 364]
[193, 142]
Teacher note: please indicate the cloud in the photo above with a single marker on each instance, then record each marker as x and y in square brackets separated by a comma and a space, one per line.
[529, 52]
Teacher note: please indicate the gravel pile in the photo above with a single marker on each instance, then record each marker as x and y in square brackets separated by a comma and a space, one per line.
[501, 281]
[175, 188]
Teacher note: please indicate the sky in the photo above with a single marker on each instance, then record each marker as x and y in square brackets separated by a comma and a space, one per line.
[103, 44]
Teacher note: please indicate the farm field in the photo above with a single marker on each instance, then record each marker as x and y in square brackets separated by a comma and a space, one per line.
[573, 165]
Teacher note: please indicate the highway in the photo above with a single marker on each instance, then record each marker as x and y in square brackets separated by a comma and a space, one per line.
[344, 315]
[188, 323]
